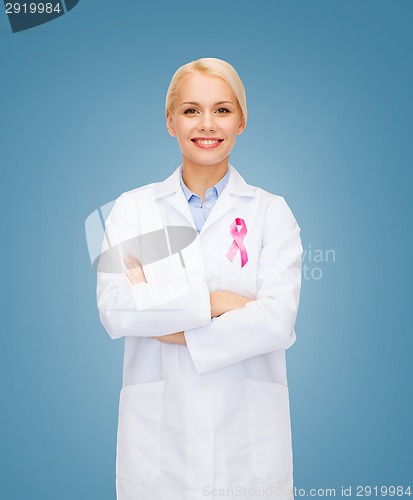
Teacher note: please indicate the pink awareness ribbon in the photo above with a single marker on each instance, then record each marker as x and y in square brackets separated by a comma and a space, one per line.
[238, 243]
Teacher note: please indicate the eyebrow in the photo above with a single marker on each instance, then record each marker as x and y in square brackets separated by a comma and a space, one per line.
[197, 103]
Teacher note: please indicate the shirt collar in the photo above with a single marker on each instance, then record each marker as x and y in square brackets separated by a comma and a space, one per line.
[219, 186]
[236, 184]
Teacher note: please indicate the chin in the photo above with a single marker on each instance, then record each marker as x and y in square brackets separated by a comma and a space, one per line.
[205, 162]
[209, 163]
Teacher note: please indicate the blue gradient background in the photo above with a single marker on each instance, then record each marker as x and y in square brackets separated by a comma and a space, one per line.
[330, 116]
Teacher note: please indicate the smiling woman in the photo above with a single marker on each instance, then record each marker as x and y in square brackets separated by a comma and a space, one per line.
[204, 403]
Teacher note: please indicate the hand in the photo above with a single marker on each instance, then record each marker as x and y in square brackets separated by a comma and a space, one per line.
[135, 270]
[223, 301]
[173, 338]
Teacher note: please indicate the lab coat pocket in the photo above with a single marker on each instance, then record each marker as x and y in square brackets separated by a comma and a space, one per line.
[269, 428]
[138, 454]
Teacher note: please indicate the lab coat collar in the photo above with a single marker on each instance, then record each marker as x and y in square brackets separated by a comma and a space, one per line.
[236, 186]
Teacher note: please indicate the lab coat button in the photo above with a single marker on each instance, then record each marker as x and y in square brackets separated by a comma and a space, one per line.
[208, 205]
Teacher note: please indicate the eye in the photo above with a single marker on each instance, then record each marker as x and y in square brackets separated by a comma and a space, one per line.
[190, 111]
[223, 111]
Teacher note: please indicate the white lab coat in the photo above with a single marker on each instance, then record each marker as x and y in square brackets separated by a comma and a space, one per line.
[211, 417]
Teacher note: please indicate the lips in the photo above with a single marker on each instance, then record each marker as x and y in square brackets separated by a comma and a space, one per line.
[207, 142]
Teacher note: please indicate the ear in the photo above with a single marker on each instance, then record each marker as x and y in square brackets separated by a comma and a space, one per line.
[241, 125]
[169, 124]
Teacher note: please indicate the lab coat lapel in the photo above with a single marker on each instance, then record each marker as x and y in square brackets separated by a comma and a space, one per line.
[171, 188]
[223, 205]
[235, 187]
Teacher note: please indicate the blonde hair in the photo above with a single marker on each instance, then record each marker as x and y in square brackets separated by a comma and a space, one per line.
[209, 66]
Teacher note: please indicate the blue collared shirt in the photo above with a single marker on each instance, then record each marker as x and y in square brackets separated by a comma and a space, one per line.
[201, 211]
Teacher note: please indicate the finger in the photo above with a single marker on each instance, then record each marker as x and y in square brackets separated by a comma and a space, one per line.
[132, 261]
[127, 259]
[136, 261]
[131, 276]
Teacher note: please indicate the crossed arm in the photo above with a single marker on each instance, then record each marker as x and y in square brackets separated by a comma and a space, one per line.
[221, 301]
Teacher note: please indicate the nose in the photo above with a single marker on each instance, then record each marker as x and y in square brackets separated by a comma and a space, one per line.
[207, 123]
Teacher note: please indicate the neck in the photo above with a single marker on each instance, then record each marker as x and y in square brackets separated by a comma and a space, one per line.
[198, 178]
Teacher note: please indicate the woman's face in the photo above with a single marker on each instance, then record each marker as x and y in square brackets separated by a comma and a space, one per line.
[206, 119]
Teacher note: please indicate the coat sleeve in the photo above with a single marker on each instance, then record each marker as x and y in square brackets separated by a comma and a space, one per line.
[144, 309]
[264, 324]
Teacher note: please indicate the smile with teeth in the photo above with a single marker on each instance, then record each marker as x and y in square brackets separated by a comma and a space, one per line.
[207, 143]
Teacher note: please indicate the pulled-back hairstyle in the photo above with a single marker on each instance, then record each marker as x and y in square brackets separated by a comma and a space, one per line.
[209, 66]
